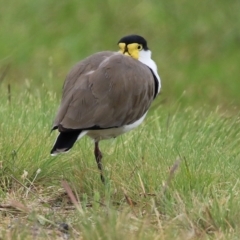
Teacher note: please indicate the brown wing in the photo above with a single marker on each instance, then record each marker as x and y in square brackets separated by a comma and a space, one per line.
[118, 92]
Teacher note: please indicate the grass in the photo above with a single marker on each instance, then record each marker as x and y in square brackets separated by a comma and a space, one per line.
[147, 196]
[175, 177]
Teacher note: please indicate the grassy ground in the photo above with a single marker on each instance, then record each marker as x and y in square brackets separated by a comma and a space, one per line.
[175, 177]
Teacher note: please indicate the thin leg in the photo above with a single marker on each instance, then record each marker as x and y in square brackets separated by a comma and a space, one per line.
[98, 157]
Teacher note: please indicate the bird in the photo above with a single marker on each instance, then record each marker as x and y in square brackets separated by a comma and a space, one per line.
[105, 95]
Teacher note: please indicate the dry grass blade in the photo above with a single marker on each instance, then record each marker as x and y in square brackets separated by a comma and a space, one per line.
[72, 197]
[158, 219]
[128, 199]
[142, 186]
[133, 171]
[171, 174]
[19, 206]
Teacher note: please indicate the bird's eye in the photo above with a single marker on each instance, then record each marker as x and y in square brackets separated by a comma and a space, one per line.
[139, 47]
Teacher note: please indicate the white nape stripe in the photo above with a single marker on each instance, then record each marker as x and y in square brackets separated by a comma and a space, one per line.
[145, 57]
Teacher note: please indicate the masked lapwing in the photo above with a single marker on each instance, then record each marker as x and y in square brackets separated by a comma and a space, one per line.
[106, 94]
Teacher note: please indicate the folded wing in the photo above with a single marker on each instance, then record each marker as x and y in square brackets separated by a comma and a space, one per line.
[105, 90]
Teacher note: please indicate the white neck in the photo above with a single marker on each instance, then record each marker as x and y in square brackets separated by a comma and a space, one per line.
[145, 57]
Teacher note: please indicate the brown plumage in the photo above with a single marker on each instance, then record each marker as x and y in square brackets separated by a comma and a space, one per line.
[117, 93]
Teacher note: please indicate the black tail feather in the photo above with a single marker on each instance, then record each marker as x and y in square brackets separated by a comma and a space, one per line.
[65, 141]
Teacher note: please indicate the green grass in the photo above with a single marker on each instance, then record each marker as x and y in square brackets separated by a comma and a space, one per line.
[175, 177]
[200, 199]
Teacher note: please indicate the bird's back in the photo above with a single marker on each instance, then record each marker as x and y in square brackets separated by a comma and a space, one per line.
[105, 90]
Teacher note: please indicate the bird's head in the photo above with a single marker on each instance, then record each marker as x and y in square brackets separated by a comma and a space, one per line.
[136, 47]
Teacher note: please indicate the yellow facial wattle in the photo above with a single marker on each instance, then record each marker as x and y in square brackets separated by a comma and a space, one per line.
[131, 49]
[122, 47]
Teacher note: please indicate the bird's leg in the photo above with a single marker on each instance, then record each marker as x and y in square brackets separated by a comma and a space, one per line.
[98, 157]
